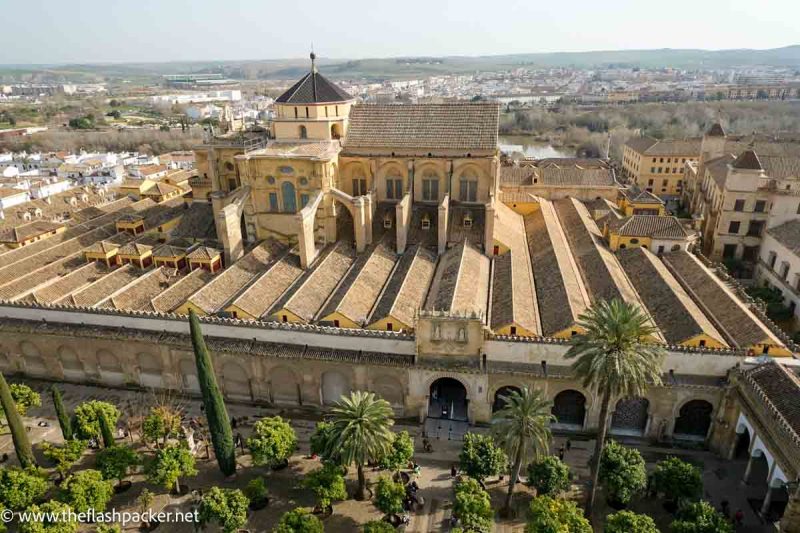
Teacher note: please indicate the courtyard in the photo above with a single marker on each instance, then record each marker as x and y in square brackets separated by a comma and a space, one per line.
[722, 478]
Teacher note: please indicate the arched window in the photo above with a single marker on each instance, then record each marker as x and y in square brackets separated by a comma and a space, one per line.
[303, 132]
[289, 198]
[394, 187]
[336, 133]
[430, 187]
[468, 188]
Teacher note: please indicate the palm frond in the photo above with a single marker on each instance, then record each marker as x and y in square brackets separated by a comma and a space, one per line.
[614, 352]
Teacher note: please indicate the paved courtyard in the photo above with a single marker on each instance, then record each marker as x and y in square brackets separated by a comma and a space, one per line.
[721, 478]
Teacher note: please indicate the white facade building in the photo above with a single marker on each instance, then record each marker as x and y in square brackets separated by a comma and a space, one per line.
[779, 262]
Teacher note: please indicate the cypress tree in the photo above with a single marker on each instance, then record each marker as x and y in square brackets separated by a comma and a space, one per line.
[22, 446]
[61, 413]
[219, 425]
[105, 431]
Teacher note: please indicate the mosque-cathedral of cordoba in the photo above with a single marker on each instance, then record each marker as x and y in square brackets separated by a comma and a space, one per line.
[388, 248]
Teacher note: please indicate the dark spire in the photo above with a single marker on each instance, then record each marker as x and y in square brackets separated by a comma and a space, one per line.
[748, 160]
[716, 130]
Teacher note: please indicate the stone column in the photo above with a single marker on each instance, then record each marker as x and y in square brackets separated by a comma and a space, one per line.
[305, 238]
[369, 211]
[767, 501]
[444, 208]
[748, 469]
[770, 489]
[402, 215]
[732, 450]
[488, 237]
[359, 224]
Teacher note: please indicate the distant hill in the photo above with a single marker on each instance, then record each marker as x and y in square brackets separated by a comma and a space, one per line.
[404, 67]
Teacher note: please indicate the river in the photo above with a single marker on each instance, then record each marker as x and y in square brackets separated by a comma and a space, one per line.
[532, 148]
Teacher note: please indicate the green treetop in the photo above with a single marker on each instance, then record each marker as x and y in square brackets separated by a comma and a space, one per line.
[298, 521]
[86, 490]
[87, 418]
[226, 507]
[115, 462]
[327, 483]
[21, 488]
[389, 496]
[171, 463]
[481, 457]
[473, 507]
[623, 472]
[400, 453]
[628, 522]
[48, 525]
[555, 515]
[272, 441]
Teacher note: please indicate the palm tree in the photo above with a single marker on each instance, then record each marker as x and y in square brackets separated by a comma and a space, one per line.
[361, 432]
[614, 357]
[522, 427]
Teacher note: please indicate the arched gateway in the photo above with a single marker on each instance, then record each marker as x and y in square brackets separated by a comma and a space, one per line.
[448, 400]
[569, 408]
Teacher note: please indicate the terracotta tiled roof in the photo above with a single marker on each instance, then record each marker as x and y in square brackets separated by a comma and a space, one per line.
[513, 285]
[461, 282]
[405, 291]
[734, 319]
[173, 297]
[674, 312]
[102, 288]
[360, 288]
[169, 251]
[553, 174]
[26, 282]
[649, 226]
[600, 269]
[781, 167]
[664, 147]
[26, 231]
[718, 168]
[102, 247]
[205, 253]
[265, 291]
[781, 388]
[219, 291]
[197, 222]
[455, 126]
[74, 281]
[310, 295]
[319, 150]
[787, 234]
[137, 295]
[456, 230]
[640, 196]
[571, 176]
[136, 249]
[555, 268]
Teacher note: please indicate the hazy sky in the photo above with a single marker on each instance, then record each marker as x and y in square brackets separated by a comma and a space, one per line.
[59, 31]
